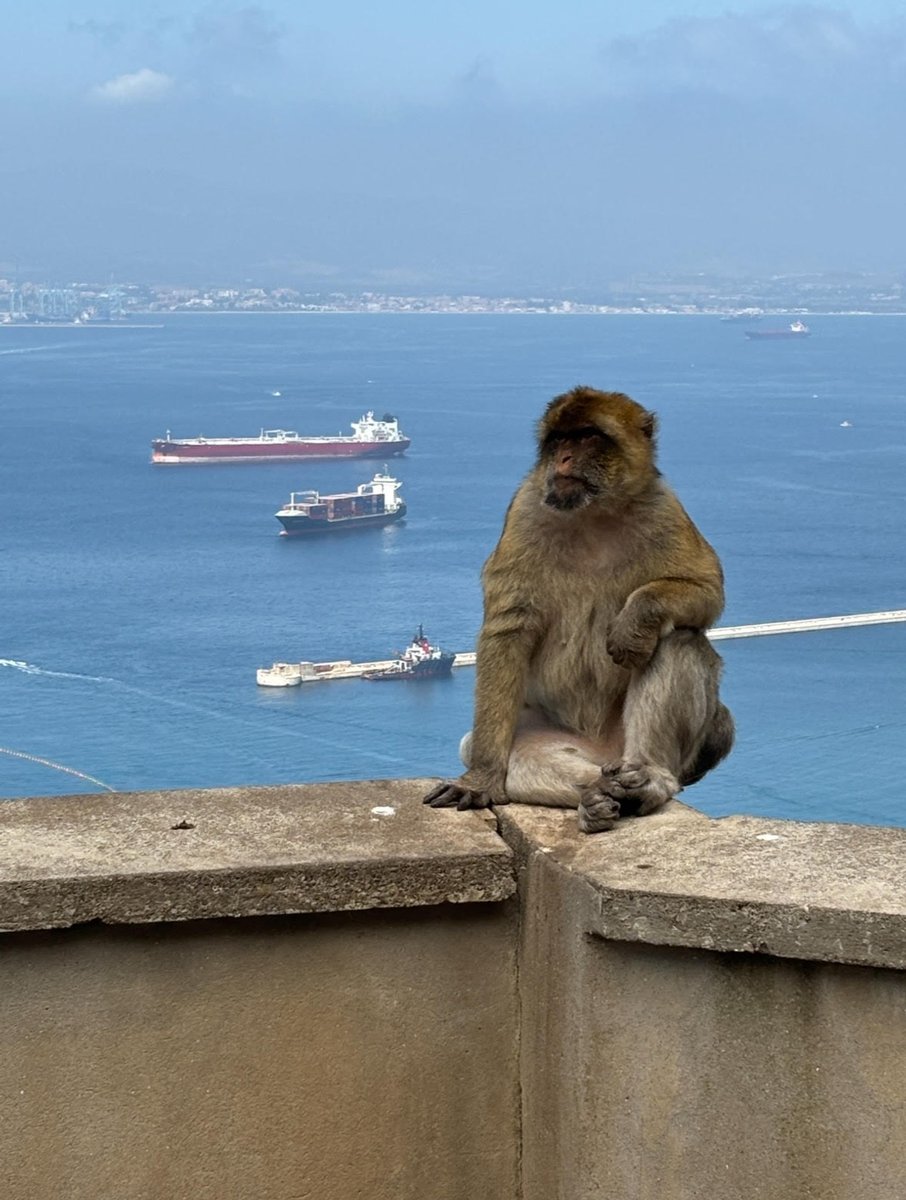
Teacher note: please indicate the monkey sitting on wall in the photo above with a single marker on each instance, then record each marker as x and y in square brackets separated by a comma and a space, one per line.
[596, 686]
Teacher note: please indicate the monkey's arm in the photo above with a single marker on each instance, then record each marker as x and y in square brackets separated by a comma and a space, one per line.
[658, 607]
[505, 646]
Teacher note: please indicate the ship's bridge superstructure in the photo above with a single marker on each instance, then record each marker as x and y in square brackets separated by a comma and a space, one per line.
[370, 429]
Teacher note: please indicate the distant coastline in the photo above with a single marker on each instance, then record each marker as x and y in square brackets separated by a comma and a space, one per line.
[91, 305]
[709, 314]
[515, 312]
[81, 324]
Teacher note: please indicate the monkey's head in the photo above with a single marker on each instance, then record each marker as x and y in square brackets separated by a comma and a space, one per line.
[595, 449]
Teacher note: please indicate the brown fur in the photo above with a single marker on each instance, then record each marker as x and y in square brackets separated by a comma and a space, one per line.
[596, 687]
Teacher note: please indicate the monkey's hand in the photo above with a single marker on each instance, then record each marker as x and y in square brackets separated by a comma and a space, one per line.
[632, 639]
[472, 790]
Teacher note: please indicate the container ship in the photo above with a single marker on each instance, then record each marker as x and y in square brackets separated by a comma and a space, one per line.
[795, 330]
[370, 438]
[372, 503]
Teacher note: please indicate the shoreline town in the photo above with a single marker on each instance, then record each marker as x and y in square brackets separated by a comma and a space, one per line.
[42, 303]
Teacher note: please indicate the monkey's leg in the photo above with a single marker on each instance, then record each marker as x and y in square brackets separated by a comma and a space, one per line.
[558, 769]
[676, 727]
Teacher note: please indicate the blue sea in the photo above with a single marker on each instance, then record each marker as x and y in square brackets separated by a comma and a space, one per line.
[138, 601]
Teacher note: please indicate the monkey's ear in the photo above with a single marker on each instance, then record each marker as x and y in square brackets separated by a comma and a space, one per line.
[649, 425]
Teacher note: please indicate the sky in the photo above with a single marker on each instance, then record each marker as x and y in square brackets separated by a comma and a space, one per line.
[485, 146]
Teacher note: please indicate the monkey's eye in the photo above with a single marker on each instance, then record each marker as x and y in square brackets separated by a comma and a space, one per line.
[580, 434]
[587, 431]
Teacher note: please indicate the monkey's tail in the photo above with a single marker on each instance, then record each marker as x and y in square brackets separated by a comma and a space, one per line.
[717, 745]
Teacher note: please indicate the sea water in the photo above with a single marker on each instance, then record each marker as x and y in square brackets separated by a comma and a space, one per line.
[138, 601]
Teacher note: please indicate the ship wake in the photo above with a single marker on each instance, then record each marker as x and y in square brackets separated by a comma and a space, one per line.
[35, 349]
[27, 668]
[49, 762]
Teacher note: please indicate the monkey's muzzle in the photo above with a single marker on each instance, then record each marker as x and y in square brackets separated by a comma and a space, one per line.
[567, 492]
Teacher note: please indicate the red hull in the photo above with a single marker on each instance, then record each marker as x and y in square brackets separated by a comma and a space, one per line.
[193, 452]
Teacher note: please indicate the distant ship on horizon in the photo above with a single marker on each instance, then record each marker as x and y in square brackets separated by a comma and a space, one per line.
[796, 329]
[370, 438]
[742, 316]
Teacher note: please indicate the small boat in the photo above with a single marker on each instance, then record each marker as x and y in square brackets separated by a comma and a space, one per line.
[372, 503]
[796, 329]
[420, 660]
[370, 438]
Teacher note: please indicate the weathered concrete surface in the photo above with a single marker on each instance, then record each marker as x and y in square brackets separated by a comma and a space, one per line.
[832, 893]
[246, 852]
[328, 1057]
[651, 1072]
[687, 1032]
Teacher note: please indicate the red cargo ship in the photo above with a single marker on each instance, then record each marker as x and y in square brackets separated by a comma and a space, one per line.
[371, 438]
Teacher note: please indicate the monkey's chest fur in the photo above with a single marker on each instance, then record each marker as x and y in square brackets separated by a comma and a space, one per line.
[574, 573]
[572, 678]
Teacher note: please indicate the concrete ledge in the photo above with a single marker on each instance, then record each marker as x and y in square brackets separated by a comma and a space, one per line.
[828, 893]
[175, 856]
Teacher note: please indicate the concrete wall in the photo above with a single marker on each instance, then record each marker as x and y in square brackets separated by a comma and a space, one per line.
[333, 992]
[656, 1073]
[368, 1055]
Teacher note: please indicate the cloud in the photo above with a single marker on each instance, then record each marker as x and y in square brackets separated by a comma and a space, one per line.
[478, 82]
[783, 50]
[214, 44]
[239, 35]
[140, 87]
[108, 33]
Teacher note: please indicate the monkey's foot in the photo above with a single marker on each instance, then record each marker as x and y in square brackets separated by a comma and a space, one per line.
[638, 788]
[597, 811]
[453, 794]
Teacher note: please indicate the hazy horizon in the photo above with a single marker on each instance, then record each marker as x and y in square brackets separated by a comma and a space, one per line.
[495, 148]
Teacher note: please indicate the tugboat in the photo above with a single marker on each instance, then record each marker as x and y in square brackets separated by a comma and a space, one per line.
[372, 503]
[420, 660]
[370, 438]
[795, 330]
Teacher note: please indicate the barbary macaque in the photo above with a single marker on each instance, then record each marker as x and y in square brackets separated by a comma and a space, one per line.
[596, 688]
